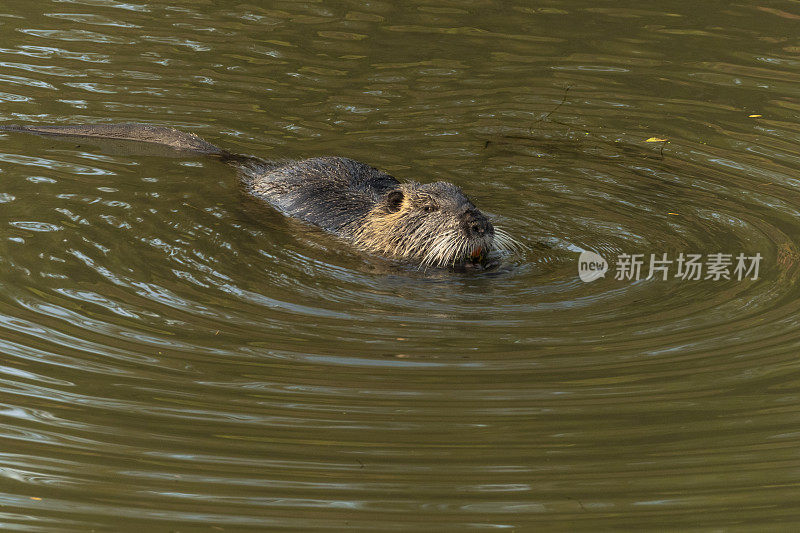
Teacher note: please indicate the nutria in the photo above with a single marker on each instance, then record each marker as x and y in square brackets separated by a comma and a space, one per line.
[433, 224]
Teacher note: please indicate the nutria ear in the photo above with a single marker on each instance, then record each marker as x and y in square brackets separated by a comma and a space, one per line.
[394, 200]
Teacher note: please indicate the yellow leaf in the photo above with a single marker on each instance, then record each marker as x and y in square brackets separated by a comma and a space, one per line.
[655, 140]
[754, 116]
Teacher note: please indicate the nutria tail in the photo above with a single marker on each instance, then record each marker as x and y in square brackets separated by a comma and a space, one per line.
[161, 135]
[128, 132]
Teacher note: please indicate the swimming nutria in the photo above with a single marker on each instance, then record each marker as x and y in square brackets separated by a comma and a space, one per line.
[430, 224]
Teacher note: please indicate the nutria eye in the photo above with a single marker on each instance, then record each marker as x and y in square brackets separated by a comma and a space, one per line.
[429, 208]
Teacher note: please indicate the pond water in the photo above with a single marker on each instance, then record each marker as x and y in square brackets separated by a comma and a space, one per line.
[177, 356]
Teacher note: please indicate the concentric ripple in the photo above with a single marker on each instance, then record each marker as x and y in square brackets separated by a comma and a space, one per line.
[176, 355]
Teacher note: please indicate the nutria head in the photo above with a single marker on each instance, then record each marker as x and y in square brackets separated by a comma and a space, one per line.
[433, 224]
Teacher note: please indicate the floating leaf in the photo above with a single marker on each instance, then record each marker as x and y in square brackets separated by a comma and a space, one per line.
[655, 140]
[754, 116]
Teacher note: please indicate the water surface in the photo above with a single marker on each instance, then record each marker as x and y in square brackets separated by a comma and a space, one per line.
[177, 356]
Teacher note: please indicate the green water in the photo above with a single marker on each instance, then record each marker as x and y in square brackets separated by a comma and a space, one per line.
[176, 356]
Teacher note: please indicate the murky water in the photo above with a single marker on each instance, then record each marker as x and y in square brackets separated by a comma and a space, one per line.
[177, 356]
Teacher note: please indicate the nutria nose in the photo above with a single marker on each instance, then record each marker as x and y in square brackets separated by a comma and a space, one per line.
[475, 224]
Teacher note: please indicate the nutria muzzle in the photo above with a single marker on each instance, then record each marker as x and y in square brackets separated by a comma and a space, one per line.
[475, 224]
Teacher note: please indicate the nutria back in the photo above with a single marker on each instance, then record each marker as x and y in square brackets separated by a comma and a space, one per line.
[335, 193]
